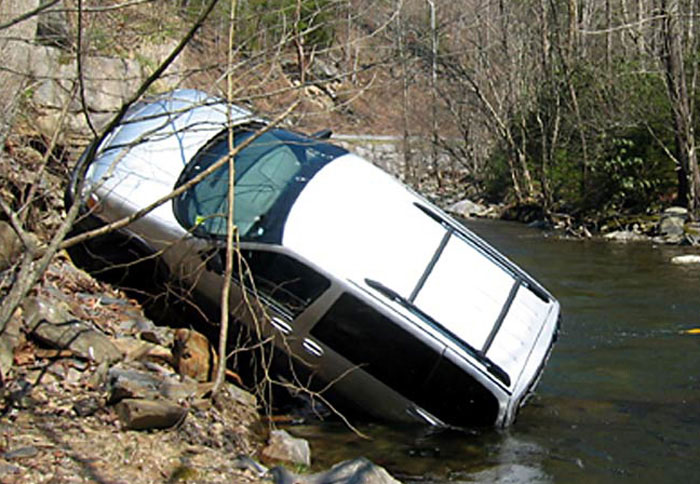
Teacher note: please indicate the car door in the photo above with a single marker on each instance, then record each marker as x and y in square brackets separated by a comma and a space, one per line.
[271, 289]
[376, 363]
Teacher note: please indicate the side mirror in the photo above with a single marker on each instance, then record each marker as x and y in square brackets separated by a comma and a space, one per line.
[323, 134]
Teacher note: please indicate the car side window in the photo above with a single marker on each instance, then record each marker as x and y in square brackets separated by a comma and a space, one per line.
[404, 362]
[288, 284]
[373, 341]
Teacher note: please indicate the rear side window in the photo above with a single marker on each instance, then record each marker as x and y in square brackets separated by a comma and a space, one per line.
[404, 362]
[284, 282]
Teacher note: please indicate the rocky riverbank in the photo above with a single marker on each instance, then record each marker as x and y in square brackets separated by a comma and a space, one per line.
[670, 227]
[91, 390]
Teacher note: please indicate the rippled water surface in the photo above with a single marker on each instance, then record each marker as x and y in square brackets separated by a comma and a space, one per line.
[619, 399]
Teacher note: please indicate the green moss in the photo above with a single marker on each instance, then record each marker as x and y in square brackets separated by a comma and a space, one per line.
[183, 473]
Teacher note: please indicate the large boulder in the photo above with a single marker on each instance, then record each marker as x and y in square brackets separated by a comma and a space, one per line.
[107, 81]
[54, 27]
[53, 325]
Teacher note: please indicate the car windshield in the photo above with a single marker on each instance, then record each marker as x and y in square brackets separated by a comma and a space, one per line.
[269, 174]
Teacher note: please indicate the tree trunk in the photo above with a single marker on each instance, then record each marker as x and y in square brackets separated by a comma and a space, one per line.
[677, 88]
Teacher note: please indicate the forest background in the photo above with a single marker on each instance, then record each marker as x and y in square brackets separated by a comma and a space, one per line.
[579, 107]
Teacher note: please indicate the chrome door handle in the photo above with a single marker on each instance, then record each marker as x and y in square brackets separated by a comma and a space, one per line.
[312, 347]
[280, 325]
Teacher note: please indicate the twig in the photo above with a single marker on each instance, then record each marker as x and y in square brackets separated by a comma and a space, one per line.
[231, 228]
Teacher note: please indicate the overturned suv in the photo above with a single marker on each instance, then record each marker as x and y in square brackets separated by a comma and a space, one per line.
[407, 313]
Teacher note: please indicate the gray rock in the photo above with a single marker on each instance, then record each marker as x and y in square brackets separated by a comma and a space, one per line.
[149, 414]
[466, 208]
[54, 27]
[38, 308]
[625, 236]
[21, 453]
[10, 245]
[241, 396]
[6, 357]
[15, 45]
[356, 471]
[108, 82]
[510, 473]
[54, 326]
[671, 226]
[676, 212]
[686, 259]
[9, 470]
[86, 406]
[283, 447]
[126, 382]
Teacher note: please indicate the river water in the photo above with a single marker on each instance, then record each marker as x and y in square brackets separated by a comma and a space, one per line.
[619, 399]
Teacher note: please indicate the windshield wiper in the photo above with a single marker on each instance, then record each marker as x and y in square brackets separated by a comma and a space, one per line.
[389, 293]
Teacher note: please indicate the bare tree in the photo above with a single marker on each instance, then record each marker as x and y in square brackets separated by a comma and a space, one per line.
[681, 95]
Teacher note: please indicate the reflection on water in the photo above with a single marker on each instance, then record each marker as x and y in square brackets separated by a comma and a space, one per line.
[619, 400]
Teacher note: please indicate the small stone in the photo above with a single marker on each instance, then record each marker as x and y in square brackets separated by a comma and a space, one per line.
[466, 208]
[149, 414]
[686, 259]
[283, 447]
[10, 245]
[193, 354]
[625, 236]
[86, 407]
[21, 453]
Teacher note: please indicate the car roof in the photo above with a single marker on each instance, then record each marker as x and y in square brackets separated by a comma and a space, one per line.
[358, 222]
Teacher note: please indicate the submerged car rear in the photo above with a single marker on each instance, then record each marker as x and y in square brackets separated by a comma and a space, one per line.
[433, 277]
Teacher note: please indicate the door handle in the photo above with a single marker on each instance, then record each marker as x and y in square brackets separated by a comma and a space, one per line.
[312, 347]
[280, 325]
